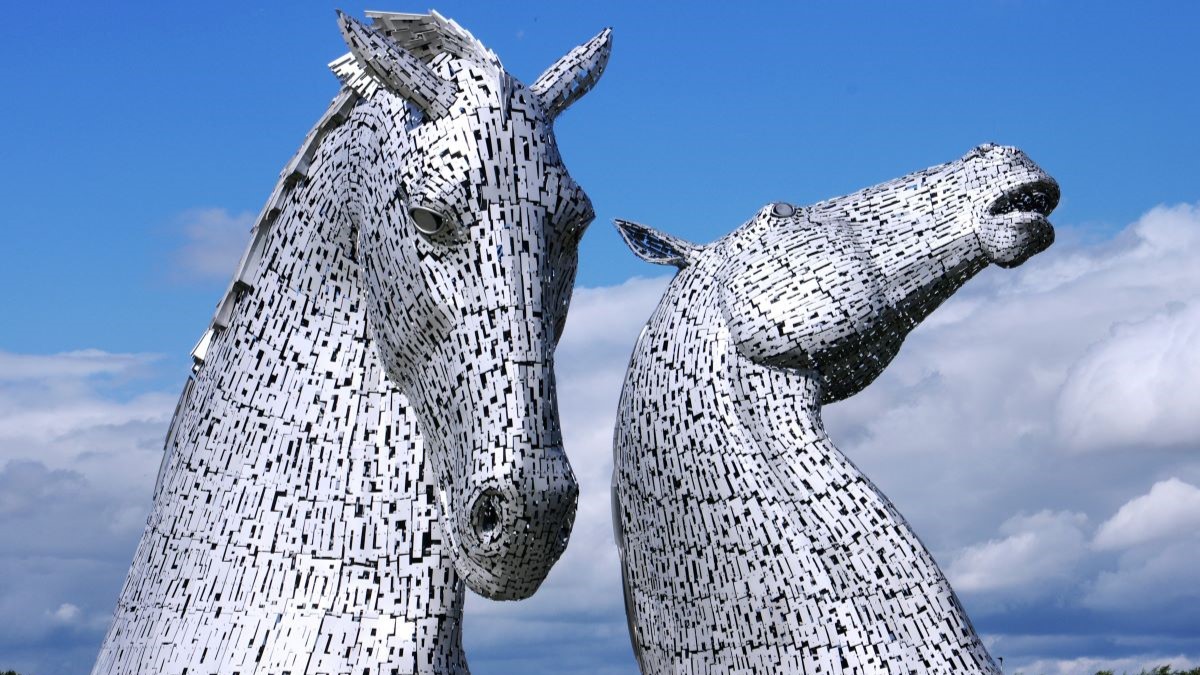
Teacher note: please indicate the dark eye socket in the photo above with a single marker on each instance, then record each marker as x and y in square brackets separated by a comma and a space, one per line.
[427, 222]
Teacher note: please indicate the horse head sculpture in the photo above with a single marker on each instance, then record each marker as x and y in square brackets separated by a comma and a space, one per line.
[371, 418]
[836, 287]
[748, 541]
[467, 232]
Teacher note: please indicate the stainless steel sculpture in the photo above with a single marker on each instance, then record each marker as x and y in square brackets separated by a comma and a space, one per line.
[373, 415]
[749, 543]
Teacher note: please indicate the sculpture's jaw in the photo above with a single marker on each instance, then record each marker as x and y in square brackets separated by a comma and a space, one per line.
[1015, 226]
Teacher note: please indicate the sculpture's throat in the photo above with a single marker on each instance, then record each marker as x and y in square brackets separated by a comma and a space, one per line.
[778, 409]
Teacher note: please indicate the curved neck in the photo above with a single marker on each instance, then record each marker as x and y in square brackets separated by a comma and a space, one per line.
[734, 503]
[295, 505]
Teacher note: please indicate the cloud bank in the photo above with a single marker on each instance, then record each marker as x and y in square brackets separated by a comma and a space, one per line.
[1036, 431]
[1039, 432]
[78, 456]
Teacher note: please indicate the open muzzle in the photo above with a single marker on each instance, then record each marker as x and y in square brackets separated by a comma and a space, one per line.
[1014, 225]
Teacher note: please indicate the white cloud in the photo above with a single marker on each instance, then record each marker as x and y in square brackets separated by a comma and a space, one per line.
[214, 240]
[78, 454]
[1170, 509]
[77, 364]
[1139, 386]
[608, 318]
[28, 485]
[1090, 665]
[1166, 237]
[1161, 234]
[66, 613]
[1036, 551]
[56, 420]
[76, 417]
[1158, 578]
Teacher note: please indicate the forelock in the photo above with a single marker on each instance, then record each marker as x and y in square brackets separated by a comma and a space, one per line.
[428, 36]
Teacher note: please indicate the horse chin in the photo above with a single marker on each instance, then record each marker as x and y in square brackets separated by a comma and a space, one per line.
[476, 576]
[493, 588]
[1012, 238]
[1014, 227]
[480, 578]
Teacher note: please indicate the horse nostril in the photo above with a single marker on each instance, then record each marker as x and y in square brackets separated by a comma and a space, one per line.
[486, 516]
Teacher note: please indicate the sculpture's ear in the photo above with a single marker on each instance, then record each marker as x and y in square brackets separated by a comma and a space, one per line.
[398, 70]
[654, 246]
[573, 75]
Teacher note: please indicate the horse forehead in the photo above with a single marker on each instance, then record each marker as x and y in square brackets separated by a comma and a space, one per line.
[487, 86]
[771, 251]
[767, 235]
[494, 129]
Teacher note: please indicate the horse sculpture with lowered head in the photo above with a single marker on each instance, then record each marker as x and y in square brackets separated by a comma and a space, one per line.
[749, 543]
[372, 419]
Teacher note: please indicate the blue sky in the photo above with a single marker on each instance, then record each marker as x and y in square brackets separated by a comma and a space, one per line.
[123, 115]
[139, 139]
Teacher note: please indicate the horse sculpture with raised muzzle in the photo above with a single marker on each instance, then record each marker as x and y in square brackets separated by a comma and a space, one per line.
[372, 418]
[749, 543]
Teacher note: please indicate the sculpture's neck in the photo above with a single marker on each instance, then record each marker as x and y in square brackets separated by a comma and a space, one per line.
[293, 441]
[737, 412]
[734, 503]
[301, 312]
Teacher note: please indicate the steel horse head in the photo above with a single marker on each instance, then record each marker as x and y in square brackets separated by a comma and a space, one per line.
[467, 225]
[370, 420]
[838, 285]
[748, 541]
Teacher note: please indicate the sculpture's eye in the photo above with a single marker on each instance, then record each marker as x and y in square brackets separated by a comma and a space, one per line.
[783, 210]
[428, 222]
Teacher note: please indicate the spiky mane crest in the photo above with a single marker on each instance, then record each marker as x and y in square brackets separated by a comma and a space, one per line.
[428, 35]
[425, 36]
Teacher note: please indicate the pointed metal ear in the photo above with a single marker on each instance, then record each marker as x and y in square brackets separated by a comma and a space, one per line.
[396, 68]
[573, 75]
[654, 246]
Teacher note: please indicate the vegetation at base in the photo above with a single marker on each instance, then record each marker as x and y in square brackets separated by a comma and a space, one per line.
[1159, 670]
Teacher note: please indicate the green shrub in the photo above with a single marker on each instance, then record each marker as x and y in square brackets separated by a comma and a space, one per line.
[1159, 670]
